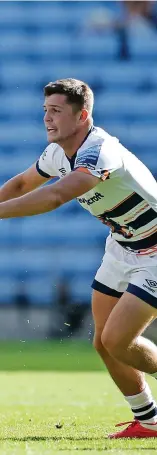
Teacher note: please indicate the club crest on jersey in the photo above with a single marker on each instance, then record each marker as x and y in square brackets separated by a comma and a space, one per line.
[88, 158]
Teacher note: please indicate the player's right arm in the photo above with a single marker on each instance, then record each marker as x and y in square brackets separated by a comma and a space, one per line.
[22, 183]
[35, 176]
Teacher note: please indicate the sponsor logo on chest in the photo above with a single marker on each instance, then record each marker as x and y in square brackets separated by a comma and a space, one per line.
[91, 200]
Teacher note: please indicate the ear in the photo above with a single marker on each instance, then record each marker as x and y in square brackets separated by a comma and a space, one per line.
[84, 115]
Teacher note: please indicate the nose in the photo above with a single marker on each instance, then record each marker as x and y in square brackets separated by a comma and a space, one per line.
[46, 117]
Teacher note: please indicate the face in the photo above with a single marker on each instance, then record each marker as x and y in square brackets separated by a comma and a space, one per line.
[61, 122]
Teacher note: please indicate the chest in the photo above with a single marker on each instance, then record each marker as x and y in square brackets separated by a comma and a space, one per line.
[105, 197]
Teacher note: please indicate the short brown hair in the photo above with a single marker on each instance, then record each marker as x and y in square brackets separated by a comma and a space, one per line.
[77, 92]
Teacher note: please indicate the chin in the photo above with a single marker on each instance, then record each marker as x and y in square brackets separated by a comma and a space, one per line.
[52, 138]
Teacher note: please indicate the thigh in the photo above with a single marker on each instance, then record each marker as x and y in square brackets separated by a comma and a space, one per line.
[102, 305]
[143, 280]
[112, 275]
[109, 284]
[128, 319]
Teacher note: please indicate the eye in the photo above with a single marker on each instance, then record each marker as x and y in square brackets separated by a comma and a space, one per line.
[56, 110]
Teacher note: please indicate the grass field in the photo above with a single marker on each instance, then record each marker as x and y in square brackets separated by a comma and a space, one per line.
[46, 412]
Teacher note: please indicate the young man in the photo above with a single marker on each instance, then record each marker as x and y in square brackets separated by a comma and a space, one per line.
[119, 190]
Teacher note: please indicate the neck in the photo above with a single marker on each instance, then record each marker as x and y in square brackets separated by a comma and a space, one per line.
[72, 144]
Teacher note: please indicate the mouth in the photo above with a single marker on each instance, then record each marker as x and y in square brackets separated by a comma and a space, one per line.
[51, 130]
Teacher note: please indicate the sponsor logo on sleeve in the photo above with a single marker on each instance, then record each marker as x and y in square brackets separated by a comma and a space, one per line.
[62, 170]
[44, 154]
[88, 158]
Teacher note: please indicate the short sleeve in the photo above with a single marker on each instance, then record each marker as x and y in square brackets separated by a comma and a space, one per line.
[99, 160]
[45, 164]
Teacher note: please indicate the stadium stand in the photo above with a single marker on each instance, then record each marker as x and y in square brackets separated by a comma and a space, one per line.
[43, 41]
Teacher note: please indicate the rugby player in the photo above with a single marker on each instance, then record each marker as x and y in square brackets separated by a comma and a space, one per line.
[120, 191]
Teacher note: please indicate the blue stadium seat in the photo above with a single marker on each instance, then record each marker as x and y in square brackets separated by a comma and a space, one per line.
[94, 47]
[40, 261]
[7, 262]
[123, 106]
[140, 139]
[80, 261]
[52, 15]
[31, 133]
[54, 46]
[16, 44]
[41, 42]
[75, 230]
[11, 12]
[144, 136]
[136, 133]
[19, 73]
[41, 291]
[128, 76]
[15, 164]
[10, 237]
[142, 40]
[22, 104]
[80, 288]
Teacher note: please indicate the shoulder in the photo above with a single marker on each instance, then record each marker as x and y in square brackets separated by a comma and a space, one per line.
[50, 151]
[99, 135]
[99, 143]
[100, 152]
[97, 140]
[47, 164]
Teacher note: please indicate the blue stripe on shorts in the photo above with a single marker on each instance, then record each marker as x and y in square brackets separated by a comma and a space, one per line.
[142, 294]
[105, 289]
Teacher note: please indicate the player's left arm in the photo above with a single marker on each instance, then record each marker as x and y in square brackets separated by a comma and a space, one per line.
[51, 197]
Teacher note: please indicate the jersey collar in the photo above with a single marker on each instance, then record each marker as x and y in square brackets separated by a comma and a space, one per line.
[72, 159]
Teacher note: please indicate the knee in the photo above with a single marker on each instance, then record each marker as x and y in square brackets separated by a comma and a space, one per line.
[97, 343]
[112, 345]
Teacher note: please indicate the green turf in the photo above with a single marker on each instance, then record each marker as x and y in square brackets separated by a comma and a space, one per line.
[86, 405]
[49, 355]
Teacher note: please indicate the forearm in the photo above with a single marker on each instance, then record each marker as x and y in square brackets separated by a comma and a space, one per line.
[38, 201]
[49, 198]
[12, 189]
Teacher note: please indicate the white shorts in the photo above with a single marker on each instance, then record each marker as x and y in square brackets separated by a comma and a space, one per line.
[122, 270]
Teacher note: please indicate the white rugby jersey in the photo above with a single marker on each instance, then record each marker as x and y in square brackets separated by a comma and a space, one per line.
[125, 198]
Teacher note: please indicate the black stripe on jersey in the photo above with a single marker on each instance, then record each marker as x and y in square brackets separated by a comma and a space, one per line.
[72, 160]
[143, 219]
[44, 174]
[125, 206]
[141, 244]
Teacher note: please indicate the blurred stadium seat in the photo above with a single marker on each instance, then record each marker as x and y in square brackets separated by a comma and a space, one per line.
[43, 41]
[93, 47]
